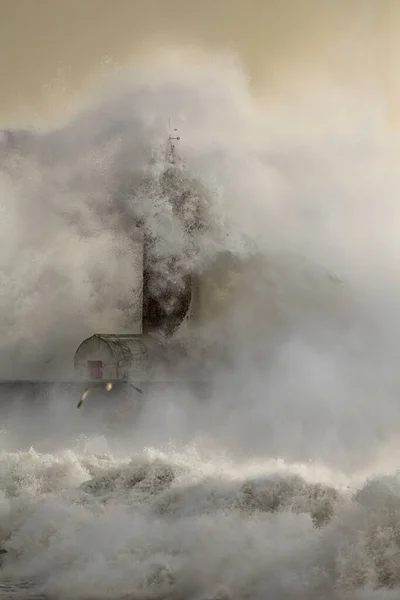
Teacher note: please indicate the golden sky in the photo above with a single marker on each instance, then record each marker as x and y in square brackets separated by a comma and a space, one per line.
[50, 47]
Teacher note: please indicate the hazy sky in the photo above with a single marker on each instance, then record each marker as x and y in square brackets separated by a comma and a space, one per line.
[48, 48]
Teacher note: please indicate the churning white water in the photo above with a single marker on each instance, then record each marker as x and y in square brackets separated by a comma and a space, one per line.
[284, 485]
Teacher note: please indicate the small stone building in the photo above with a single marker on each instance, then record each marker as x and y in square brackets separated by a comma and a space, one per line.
[140, 359]
[106, 357]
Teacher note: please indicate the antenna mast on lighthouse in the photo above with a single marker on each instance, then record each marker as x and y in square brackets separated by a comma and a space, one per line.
[171, 146]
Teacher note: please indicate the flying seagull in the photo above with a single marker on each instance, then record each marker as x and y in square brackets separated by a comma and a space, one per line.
[107, 386]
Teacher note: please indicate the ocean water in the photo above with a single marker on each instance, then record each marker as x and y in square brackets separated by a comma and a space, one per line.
[284, 484]
[80, 523]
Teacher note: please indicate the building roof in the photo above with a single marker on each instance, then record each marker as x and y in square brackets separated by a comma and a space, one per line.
[123, 346]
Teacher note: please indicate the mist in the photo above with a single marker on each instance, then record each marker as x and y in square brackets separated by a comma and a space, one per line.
[289, 142]
[297, 260]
